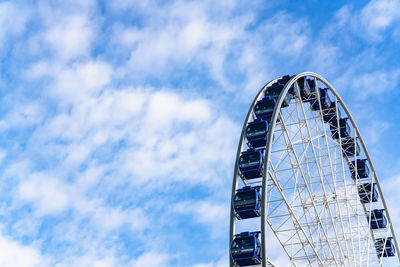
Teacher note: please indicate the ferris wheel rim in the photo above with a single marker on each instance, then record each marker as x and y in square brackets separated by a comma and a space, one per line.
[271, 129]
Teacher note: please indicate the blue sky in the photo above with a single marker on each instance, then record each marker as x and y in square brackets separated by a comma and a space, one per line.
[120, 119]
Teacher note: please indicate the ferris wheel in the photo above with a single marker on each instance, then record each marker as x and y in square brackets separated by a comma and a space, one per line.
[304, 184]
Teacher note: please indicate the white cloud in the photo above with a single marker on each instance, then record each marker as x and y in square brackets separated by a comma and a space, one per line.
[220, 263]
[380, 127]
[199, 147]
[71, 37]
[15, 254]
[182, 40]
[167, 137]
[207, 212]
[13, 20]
[50, 195]
[23, 115]
[151, 259]
[67, 31]
[378, 15]
[342, 49]
[75, 82]
[90, 260]
[286, 35]
[366, 84]
[133, 4]
[189, 35]
[370, 22]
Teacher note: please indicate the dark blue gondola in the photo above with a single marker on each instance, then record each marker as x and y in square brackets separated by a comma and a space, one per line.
[274, 91]
[362, 169]
[247, 202]
[384, 247]
[350, 147]
[378, 219]
[307, 89]
[324, 99]
[256, 133]
[251, 163]
[311, 84]
[343, 129]
[367, 193]
[246, 249]
[284, 79]
[264, 108]
[329, 114]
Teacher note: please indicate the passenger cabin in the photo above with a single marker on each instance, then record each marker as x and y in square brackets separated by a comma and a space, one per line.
[311, 84]
[350, 147]
[246, 249]
[256, 133]
[251, 163]
[324, 99]
[329, 114]
[385, 247]
[284, 79]
[362, 169]
[342, 131]
[378, 219]
[274, 91]
[307, 92]
[367, 193]
[247, 202]
[264, 108]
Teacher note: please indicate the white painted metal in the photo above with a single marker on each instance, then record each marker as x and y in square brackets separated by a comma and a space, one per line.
[309, 201]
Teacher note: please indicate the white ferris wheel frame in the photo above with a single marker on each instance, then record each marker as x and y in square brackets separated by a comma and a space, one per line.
[271, 129]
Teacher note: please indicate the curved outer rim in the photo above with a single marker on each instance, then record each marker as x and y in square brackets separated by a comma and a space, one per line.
[271, 129]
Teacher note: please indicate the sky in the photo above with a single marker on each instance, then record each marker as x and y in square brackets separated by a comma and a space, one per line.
[120, 119]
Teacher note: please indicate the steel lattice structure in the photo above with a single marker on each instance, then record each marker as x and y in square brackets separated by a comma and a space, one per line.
[310, 187]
